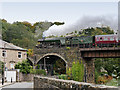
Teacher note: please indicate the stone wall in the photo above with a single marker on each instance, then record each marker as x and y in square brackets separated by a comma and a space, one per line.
[69, 55]
[45, 82]
[25, 77]
[12, 57]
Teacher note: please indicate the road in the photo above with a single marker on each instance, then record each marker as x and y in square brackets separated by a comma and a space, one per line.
[19, 86]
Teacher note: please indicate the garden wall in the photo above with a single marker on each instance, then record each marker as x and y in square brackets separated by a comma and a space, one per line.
[46, 82]
[25, 77]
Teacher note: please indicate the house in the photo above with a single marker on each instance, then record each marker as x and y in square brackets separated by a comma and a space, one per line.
[11, 54]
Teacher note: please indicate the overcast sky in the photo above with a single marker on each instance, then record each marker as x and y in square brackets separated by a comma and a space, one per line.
[70, 12]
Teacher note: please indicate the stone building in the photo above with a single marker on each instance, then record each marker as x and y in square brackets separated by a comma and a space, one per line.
[11, 54]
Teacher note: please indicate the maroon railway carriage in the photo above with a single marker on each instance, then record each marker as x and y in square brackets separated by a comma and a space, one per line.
[106, 40]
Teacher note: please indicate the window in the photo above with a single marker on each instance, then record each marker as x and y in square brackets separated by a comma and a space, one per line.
[19, 55]
[105, 39]
[100, 38]
[12, 65]
[97, 38]
[4, 53]
[111, 38]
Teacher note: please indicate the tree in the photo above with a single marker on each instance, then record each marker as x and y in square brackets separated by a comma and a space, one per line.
[109, 64]
[19, 33]
[96, 31]
[58, 23]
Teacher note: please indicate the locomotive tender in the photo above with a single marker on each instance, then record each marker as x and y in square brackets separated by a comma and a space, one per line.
[82, 41]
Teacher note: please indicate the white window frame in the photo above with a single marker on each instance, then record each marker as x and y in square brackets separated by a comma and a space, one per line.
[19, 54]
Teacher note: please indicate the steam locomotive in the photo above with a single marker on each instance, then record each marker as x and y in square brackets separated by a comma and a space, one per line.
[83, 41]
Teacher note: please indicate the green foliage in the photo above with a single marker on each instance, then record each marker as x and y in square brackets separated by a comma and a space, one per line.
[78, 71]
[24, 34]
[63, 76]
[59, 67]
[30, 52]
[97, 31]
[112, 82]
[59, 23]
[96, 76]
[75, 31]
[1, 68]
[38, 66]
[68, 48]
[38, 72]
[109, 64]
[69, 74]
[112, 66]
[52, 36]
[18, 33]
[24, 67]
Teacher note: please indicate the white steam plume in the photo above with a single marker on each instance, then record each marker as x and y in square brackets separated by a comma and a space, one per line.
[84, 22]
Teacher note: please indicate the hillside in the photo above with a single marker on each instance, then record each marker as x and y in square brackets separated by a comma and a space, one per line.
[24, 34]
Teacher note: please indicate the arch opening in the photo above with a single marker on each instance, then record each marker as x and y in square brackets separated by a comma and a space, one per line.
[53, 64]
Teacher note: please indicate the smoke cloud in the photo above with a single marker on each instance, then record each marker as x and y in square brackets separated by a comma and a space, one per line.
[82, 23]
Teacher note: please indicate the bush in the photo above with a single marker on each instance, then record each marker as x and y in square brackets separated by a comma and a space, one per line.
[30, 52]
[112, 82]
[38, 72]
[104, 79]
[68, 48]
[1, 67]
[96, 76]
[63, 76]
[78, 71]
[69, 74]
[32, 71]
[24, 67]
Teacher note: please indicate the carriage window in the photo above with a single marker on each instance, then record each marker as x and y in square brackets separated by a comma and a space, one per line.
[100, 38]
[111, 38]
[105, 39]
[97, 38]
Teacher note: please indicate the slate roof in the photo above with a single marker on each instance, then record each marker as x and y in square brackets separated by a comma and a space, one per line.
[10, 46]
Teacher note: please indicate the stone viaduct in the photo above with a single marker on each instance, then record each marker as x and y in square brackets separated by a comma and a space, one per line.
[74, 53]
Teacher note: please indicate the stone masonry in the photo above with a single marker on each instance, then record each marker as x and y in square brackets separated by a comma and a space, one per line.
[74, 53]
[68, 55]
[59, 84]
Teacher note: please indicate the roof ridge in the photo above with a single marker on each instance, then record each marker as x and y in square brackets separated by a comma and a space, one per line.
[9, 45]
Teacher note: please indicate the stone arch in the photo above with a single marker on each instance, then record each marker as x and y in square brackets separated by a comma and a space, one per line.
[50, 54]
[54, 63]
